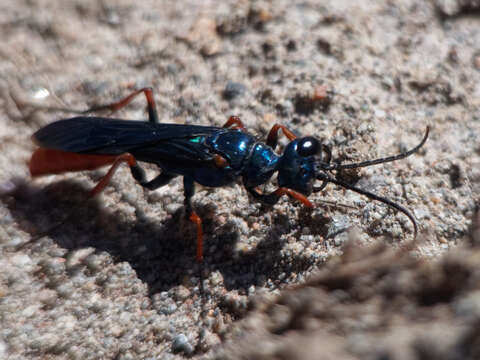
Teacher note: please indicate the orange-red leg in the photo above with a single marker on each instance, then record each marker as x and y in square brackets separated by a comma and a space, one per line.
[128, 158]
[198, 222]
[293, 194]
[272, 137]
[189, 190]
[236, 122]
[152, 108]
[273, 197]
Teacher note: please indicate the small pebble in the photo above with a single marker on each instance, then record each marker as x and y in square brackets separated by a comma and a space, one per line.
[55, 266]
[338, 225]
[182, 293]
[94, 262]
[181, 344]
[64, 290]
[77, 257]
[233, 90]
[21, 260]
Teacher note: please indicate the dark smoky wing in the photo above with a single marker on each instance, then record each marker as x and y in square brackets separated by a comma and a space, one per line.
[176, 152]
[111, 136]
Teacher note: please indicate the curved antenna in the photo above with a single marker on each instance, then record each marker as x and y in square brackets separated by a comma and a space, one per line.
[326, 178]
[381, 160]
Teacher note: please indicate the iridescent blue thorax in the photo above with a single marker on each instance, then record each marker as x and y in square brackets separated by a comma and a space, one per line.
[262, 163]
[254, 161]
[233, 145]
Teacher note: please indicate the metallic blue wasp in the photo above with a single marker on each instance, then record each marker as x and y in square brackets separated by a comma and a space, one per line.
[209, 155]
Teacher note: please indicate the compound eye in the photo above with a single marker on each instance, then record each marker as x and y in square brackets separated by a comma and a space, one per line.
[308, 146]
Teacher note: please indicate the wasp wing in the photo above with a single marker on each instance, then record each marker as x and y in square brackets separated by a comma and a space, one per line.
[147, 141]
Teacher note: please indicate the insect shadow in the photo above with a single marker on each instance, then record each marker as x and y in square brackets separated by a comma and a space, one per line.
[159, 250]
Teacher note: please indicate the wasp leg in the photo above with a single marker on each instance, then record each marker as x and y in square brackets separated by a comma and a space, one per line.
[128, 158]
[236, 122]
[139, 174]
[189, 190]
[272, 137]
[274, 196]
[152, 108]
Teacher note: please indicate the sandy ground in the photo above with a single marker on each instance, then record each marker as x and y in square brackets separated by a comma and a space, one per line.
[119, 280]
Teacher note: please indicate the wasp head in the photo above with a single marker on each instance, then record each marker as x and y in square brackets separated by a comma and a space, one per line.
[300, 164]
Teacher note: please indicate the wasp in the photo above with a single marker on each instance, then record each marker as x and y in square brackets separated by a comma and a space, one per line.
[209, 155]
